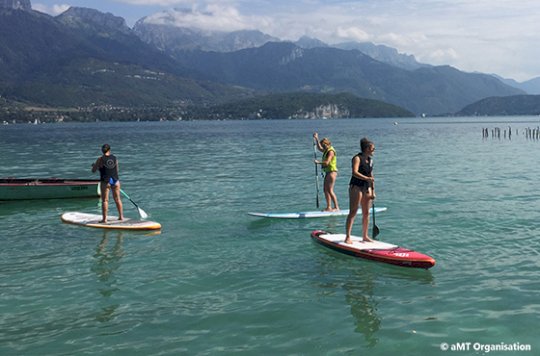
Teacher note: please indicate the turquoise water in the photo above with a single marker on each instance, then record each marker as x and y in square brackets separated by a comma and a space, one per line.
[217, 281]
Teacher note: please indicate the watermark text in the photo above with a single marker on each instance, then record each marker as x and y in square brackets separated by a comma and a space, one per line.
[484, 347]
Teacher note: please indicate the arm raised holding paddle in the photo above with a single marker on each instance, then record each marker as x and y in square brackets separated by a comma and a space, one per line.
[329, 166]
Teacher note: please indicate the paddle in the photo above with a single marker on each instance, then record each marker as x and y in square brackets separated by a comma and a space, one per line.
[316, 174]
[375, 231]
[142, 214]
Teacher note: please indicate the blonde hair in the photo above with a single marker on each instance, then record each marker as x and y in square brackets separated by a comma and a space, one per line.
[326, 142]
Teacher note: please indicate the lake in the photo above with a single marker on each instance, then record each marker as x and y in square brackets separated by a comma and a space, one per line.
[218, 281]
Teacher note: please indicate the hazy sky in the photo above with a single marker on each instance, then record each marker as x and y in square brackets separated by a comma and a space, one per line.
[488, 36]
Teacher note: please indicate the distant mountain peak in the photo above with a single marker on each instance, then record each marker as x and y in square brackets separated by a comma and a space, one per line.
[16, 4]
[310, 42]
[82, 17]
[384, 54]
[170, 36]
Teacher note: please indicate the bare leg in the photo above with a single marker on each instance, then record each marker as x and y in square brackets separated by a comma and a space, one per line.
[326, 190]
[118, 201]
[355, 195]
[366, 203]
[104, 186]
[329, 182]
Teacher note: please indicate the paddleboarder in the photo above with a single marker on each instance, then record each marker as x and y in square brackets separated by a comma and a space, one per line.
[329, 166]
[361, 188]
[108, 171]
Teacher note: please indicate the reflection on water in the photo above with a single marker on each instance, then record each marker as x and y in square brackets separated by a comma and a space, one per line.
[360, 286]
[108, 256]
[362, 296]
[359, 295]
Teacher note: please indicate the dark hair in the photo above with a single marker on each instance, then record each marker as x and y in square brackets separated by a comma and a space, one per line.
[105, 148]
[364, 144]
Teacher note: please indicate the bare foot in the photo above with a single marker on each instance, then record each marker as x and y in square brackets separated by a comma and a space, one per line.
[102, 221]
[367, 239]
[348, 241]
[336, 209]
[328, 209]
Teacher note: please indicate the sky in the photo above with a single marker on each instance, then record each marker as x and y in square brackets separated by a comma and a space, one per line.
[489, 36]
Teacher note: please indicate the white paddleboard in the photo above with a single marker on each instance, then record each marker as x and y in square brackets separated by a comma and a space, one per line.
[310, 214]
[358, 242]
[93, 220]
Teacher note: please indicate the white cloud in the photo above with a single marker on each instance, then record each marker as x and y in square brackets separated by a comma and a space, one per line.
[440, 56]
[214, 17]
[163, 3]
[352, 34]
[53, 10]
[499, 36]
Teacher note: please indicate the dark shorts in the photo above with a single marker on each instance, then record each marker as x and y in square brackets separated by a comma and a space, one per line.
[361, 184]
[363, 189]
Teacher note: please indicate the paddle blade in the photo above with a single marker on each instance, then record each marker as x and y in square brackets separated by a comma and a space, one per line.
[142, 213]
[375, 231]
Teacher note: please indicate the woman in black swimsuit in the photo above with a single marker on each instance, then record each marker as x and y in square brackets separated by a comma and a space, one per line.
[107, 165]
[361, 188]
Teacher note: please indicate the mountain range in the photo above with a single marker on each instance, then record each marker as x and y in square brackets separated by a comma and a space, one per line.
[503, 106]
[531, 86]
[87, 58]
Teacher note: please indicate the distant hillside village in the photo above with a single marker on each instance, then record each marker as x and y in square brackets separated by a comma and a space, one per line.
[84, 65]
[277, 106]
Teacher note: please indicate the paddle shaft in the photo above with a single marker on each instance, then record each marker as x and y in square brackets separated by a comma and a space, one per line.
[142, 213]
[316, 174]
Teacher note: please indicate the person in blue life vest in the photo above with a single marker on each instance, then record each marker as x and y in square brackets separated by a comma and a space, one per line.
[361, 188]
[329, 166]
[108, 171]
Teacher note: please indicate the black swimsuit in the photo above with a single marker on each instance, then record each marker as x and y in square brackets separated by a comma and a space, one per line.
[365, 168]
[109, 170]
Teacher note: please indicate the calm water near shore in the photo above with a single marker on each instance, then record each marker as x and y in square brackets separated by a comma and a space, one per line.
[217, 281]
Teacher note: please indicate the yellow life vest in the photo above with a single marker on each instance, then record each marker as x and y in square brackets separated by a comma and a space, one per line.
[332, 165]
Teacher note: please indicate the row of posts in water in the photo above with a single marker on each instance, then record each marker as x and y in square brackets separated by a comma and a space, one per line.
[496, 132]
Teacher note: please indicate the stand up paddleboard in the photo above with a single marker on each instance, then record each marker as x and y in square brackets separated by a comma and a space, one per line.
[309, 214]
[376, 250]
[92, 220]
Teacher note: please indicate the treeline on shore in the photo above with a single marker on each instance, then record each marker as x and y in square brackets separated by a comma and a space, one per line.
[268, 107]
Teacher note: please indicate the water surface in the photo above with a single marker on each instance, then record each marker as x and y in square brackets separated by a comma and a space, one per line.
[219, 281]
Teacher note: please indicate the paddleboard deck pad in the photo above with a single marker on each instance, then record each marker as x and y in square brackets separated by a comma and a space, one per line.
[376, 250]
[309, 214]
[93, 220]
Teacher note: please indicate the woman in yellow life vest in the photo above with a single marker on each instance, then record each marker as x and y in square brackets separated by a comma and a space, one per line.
[329, 166]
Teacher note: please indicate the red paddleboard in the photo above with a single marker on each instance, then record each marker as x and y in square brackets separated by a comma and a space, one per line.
[376, 250]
